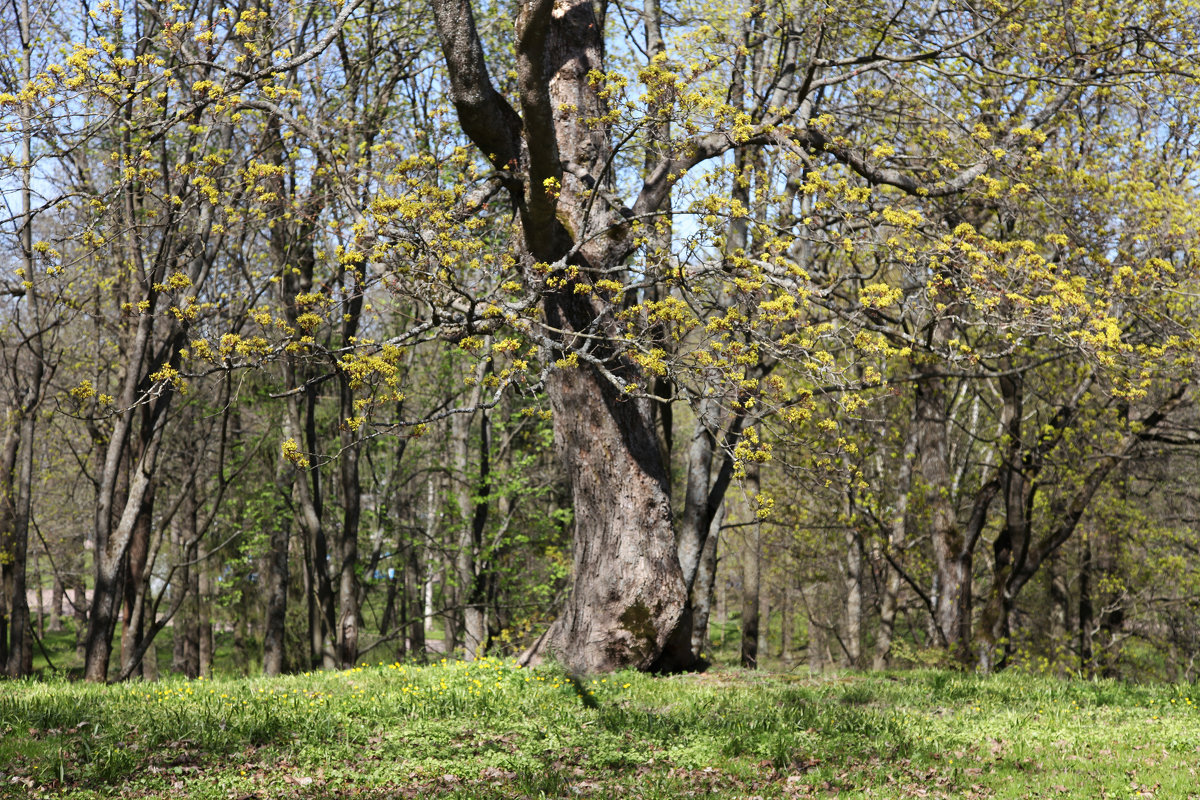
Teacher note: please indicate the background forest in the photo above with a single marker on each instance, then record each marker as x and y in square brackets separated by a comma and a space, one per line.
[836, 334]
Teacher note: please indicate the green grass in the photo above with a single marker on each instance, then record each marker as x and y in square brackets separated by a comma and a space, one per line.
[491, 730]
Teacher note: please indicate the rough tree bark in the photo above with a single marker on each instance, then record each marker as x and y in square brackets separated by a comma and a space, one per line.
[628, 605]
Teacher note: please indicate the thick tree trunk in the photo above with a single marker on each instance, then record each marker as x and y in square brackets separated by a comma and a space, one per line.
[16, 634]
[102, 620]
[628, 605]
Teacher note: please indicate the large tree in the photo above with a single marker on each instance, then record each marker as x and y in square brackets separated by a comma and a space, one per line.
[895, 130]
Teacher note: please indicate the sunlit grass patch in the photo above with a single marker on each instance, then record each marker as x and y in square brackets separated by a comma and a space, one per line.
[492, 729]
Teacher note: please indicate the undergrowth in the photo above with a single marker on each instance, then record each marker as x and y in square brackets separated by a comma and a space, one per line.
[490, 729]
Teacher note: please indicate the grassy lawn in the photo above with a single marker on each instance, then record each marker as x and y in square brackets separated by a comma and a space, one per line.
[491, 730]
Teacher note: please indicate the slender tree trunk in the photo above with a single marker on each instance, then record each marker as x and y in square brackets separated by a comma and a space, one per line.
[8, 462]
[473, 516]
[288, 242]
[413, 615]
[185, 656]
[112, 550]
[751, 577]
[56, 603]
[764, 618]
[204, 625]
[37, 592]
[348, 585]
[1112, 617]
[723, 609]
[395, 591]
[432, 536]
[703, 588]
[349, 590]
[952, 560]
[1087, 664]
[80, 615]
[150, 663]
[275, 632]
[307, 486]
[854, 598]
[135, 583]
[1012, 542]
[1064, 511]
[14, 550]
[786, 624]
[1060, 607]
[897, 541]
[292, 245]
[818, 633]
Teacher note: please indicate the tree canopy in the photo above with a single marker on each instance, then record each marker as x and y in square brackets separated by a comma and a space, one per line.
[342, 317]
